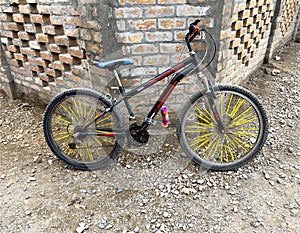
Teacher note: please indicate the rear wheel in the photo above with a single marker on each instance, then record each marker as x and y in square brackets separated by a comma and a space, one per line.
[244, 120]
[76, 135]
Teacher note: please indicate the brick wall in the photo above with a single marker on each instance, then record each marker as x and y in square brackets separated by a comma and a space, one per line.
[47, 45]
[245, 36]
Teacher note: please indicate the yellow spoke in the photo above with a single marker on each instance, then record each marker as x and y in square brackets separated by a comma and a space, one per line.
[237, 106]
[106, 140]
[201, 118]
[98, 142]
[211, 117]
[76, 107]
[196, 131]
[221, 153]
[80, 107]
[197, 108]
[205, 125]
[226, 154]
[199, 141]
[108, 124]
[210, 144]
[101, 120]
[244, 134]
[84, 108]
[90, 154]
[243, 113]
[229, 104]
[203, 136]
[202, 144]
[247, 129]
[231, 154]
[235, 122]
[240, 142]
[230, 140]
[239, 123]
[67, 111]
[214, 148]
[61, 133]
[90, 115]
[61, 138]
[63, 120]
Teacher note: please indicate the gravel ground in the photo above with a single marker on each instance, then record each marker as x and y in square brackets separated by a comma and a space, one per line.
[160, 191]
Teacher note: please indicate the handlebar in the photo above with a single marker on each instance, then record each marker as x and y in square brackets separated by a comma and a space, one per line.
[194, 30]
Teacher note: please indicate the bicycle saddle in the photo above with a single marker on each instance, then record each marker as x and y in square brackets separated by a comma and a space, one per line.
[113, 63]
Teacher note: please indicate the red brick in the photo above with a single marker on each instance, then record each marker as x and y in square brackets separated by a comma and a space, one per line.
[27, 9]
[43, 9]
[71, 32]
[25, 50]
[66, 58]
[76, 52]
[56, 20]
[19, 18]
[46, 55]
[12, 48]
[142, 24]
[235, 43]
[61, 40]
[30, 28]
[34, 67]
[237, 25]
[75, 21]
[248, 21]
[57, 65]
[10, 9]
[241, 32]
[244, 14]
[253, 12]
[40, 62]
[24, 36]
[245, 38]
[40, 37]
[251, 4]
[49, 29]
[34, 45]
[132, 12]
[36, 18]
[19, 56]
[91, 24]
[44, 77]
[34, 52]
[17, 42]
[15, 26]
[53, 73]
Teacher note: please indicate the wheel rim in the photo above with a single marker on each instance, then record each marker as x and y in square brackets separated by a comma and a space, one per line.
[69, 136]
[243, 130]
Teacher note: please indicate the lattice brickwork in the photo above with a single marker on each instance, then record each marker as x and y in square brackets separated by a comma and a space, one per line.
[41, 42]
[289, 10]
[249, 26]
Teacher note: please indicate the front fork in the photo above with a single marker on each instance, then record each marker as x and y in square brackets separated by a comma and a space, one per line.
[211, 96]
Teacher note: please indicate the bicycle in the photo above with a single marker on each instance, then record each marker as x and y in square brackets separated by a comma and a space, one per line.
[222, 127]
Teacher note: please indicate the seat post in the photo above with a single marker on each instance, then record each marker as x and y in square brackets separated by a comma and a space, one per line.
[118, 78]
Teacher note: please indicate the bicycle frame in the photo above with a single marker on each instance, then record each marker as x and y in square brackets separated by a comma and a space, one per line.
[189, 65]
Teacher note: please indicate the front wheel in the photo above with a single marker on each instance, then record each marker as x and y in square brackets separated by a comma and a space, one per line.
[80, 131]
[245, 128]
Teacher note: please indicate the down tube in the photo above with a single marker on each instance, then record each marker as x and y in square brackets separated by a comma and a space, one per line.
[164, 96]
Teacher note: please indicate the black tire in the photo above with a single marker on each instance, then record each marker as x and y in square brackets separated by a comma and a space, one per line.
[245, 122]
[68, 113]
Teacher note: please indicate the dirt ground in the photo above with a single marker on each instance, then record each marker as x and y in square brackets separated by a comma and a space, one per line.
[159, 191]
